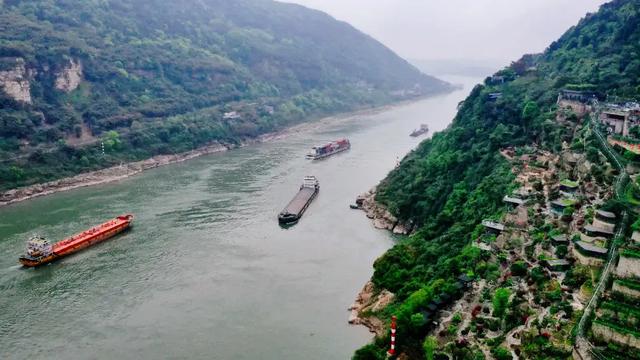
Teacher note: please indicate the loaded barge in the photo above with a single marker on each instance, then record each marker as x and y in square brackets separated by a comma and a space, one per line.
[293, 212]
[424, 128]
[326, 150]
[41, 252]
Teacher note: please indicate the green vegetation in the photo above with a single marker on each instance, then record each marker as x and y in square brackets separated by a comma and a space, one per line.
[631, 253]
[631, 284]
[501, 353]
[617, 327]
[621, 308]
[162, 74]
[569, 183]
[429, 346]
[453, 181]
[500, 302]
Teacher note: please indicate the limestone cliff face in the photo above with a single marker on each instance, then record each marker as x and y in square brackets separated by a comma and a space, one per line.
[69, 78]
[15, 82]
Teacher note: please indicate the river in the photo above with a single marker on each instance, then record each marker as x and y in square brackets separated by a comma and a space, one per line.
[206, 272]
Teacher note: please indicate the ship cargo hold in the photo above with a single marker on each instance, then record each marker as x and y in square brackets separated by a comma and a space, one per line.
[294, 210]
[326, 150]
[40, 251]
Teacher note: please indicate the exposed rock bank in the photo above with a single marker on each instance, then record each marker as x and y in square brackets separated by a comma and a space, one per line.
[366, 305]
[382, 218]
[103, 176]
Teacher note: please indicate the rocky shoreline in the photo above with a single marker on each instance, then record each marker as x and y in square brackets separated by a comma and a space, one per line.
[382, 218]
[120, 172]
[369, 301]
[117, 173]
[103, 176]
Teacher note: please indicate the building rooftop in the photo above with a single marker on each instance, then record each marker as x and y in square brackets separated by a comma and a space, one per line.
[560, 238]
[512, 200]
[564, 202]
[558, 262]
[606, 214]
[493, 225]
[569, 183]
[593, 229]
[591, 248]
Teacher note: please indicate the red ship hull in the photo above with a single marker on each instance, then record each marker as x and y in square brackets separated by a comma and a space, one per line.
[81, 241]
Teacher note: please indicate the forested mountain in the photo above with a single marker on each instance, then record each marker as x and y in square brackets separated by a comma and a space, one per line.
[452, 182]
[157, 76]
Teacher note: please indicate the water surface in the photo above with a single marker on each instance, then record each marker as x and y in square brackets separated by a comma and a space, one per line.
[206, 272]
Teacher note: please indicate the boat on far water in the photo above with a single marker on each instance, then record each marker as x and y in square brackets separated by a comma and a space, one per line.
[326, 150]
[40, 251]
[423, 129]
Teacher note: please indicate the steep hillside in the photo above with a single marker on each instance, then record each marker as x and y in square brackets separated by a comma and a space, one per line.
[153, 77]
[450, 183]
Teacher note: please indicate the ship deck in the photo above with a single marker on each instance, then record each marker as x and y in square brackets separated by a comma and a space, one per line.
[71, 242]
[300, 201]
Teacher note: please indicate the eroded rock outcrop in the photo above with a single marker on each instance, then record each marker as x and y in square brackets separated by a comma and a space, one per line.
[382, 218]
[369, 302]
[69, 77]
[15, 81]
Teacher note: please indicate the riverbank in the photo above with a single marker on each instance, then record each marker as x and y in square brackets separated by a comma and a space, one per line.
[103, 176]
[126, 170]
[370, 301]
[382, 218]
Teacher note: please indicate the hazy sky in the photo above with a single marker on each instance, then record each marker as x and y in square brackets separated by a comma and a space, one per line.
[494, 30]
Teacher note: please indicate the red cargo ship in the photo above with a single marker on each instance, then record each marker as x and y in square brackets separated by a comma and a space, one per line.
[41, 252]
[323, 151]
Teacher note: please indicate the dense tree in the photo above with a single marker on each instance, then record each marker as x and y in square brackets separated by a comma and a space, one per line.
[500, 301]
[173, 69]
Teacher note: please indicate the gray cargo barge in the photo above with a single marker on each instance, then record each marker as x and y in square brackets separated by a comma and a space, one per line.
[293, 212]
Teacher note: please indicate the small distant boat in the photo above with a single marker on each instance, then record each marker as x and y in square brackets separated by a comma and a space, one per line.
[424, 128]
[40, 251]
[326, 150]
[354, 206]
[294, 210]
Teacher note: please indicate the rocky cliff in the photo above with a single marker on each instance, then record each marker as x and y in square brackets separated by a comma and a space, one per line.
[69, 77]
[14, 81]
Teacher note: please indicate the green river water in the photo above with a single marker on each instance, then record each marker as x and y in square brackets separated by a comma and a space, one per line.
[206, 272]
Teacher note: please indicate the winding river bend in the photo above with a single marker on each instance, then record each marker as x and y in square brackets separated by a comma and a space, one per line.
[206, 272]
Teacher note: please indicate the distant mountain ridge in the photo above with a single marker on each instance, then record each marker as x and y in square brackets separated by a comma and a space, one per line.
[151, 76]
